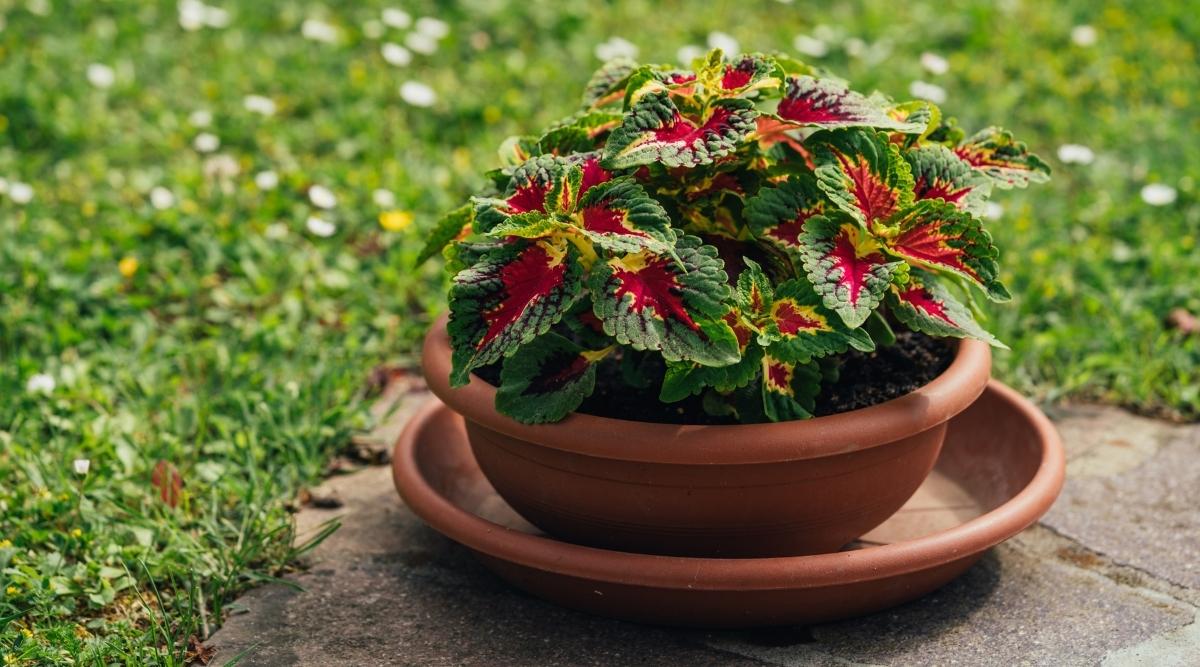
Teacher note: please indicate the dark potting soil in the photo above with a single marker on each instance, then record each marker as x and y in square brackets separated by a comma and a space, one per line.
[864, 379]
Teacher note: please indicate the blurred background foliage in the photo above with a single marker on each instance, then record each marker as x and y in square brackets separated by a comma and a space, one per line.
[174, 289]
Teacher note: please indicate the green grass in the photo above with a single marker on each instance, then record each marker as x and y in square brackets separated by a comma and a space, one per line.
[238, 349]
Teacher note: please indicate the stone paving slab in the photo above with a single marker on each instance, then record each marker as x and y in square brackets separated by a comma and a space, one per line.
[387, 590]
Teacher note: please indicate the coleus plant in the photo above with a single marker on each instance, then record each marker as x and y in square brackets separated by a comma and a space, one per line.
[746, 219]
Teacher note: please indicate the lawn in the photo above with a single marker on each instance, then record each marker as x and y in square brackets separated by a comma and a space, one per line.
[195, 276]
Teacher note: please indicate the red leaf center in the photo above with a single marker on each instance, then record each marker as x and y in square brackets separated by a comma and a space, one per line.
[654, 286]
[526, 279]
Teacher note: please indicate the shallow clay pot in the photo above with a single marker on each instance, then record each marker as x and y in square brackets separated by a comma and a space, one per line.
[788, 488]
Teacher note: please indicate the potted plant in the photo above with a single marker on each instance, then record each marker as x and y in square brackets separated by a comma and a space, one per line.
[722, 310]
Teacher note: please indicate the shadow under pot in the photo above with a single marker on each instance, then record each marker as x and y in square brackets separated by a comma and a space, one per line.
[752, 490]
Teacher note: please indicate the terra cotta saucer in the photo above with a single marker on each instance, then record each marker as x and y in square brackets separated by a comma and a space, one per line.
[1000, 470]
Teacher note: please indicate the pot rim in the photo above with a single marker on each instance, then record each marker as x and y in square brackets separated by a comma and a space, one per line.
[928, 406]
[966, 540]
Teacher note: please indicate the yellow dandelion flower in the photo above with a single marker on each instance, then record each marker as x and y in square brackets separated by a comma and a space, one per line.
[128, 266]
[5, 544]
[12, 590]
[395, 221]
[75, 532]
[10, 659]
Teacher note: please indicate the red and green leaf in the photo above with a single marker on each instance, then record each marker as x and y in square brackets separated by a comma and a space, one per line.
[618, 215]
[924, 305]
[507, 298]
[789, 390]
[739, 75]
[803, 329]
[688, 378]
[547, 379]
[863, 174]
[1008, 162]
[830, 104]
[846, 266]
[454, 225]
[655, 131]
[940, 174]
[936, 235]
[653, 302]
[777, 214]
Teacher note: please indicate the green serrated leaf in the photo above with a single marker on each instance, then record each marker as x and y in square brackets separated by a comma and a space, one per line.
[777, 214]
[511, 295]
[607, 81]
[653, 302]
[654, 131]
[1008, 162]
[618, 215]
[453, 225]
[802, 329]
[924, 304]
[546, 380]
[940, 174]
[789, 390]
[862, 173]
[830, 104]
[936, 235]
[846, 266]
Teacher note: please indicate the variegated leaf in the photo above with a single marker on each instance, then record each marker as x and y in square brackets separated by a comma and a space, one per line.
[803, 329]
[789, 390]
[935, 234]
[653, 302]
[777, 214]
[455, 224]
[546, 380]
[654, 131]
[925, 305]
[739, 75]
[507, 298]
[940, 174]
[1005, 160]
[862, 173]
[846, 266]
[620, 216]
[608, 83]
[830, 104]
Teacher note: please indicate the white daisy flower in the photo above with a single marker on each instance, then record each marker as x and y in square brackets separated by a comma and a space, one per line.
[101, 75]
[396, 18]
[854, 47]
[322, 197]
[1075, 154]
[421, 43]
[934, 64]
[259, 104]
[431, 27]
[162, 198]
[40, 383]
[21, 193]
[723, 41]
[810, 46]
[206, 142]
[276, 231]
[927, 91]
[417, 94]
[215, 17]
[1159, 194]
[373, 29]
[320, 227]
[992, 211]
[319, 31]
[192, 15]
[222, 167]
[397, 55]
[1084, 35]
[266, 180]
[686, 54]
[200, 118]
[616, 47]
[383, 198]
[82, 466]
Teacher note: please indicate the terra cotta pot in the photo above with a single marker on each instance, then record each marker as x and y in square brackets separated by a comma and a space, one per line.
[788, 488]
